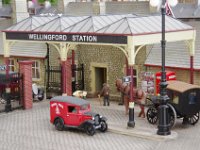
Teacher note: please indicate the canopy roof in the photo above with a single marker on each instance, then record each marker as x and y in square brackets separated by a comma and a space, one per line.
[124, 31]
[128, 24]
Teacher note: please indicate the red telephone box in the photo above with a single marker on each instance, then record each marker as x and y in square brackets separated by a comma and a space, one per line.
[169, 76]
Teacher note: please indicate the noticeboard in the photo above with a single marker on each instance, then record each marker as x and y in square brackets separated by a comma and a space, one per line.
[147, 82]
[127, 79]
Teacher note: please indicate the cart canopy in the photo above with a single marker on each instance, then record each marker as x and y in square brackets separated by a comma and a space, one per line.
[180, 86]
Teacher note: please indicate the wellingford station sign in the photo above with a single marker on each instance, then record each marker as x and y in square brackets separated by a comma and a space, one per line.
[85, 38]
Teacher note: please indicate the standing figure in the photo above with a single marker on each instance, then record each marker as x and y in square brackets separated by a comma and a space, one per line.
[105, 92]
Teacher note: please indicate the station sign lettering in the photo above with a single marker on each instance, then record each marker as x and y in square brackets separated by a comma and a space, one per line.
[86, 38]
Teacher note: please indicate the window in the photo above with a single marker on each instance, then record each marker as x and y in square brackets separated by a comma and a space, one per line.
[192, 97]
[36, 70]
[175, 98]
[72, 109]
[11, 65]
[84, 107]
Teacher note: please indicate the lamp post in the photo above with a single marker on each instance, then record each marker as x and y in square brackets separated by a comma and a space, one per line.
[163, 126]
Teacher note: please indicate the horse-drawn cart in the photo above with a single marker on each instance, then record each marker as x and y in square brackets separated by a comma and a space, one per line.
[184, 102]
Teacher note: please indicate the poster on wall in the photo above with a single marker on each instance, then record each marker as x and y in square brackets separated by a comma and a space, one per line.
[147, 82]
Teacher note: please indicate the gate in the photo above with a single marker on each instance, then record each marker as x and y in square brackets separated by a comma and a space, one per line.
[78, 77]
[54, 80]
[53, 76]
[11, 91]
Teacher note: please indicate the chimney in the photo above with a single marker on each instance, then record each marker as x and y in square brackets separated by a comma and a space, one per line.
[20, 10]
[197, 2]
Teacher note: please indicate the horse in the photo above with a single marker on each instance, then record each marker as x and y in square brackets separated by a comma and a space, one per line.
[138, 94]
[124, 89]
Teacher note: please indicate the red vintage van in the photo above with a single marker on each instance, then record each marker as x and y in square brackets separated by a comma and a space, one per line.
[73, 112]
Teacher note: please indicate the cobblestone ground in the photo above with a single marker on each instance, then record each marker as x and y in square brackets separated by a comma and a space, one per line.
[31, 130]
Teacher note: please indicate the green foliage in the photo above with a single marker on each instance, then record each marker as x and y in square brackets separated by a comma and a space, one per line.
[41, 1]
[54, 1]
[6, 1]
[51, 1]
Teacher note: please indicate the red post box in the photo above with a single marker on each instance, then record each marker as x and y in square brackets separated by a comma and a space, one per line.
[170, 75]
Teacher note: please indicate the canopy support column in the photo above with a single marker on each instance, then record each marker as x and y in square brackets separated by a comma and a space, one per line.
[131, 62]
[192, 52]
[6, 48]
[65, 68]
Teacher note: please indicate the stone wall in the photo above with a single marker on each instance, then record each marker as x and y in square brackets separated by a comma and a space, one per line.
[108, 57]
[108, 7]
[140, 59]
[79, 8]
[127, 7]
[54, 56]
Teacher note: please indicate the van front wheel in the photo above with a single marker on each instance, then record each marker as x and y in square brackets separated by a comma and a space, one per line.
[59, 124]
[90, 129]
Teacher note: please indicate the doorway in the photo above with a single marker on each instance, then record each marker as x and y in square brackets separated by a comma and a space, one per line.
[100, 77]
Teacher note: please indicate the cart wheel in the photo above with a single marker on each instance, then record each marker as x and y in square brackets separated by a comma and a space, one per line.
[172, 115]
[152, 115]
[59, 124]
[90, 129]
[194, 119]
[41, 98]
[104, 126]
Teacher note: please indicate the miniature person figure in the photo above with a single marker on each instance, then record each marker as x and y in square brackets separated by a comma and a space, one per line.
[105, 92]
[140, 97]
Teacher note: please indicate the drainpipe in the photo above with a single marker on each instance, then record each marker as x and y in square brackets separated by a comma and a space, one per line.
[48, 66]
[191, 69]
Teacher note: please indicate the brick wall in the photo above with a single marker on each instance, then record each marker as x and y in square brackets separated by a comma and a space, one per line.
[26, 70]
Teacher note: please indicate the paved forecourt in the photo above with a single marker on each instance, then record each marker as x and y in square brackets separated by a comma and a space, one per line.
[31, 129]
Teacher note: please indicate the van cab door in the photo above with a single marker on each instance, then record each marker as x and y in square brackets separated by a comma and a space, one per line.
[72, 116]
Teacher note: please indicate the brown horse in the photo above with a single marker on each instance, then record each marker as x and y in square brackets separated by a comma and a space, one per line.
[125, 89]
[138, 94]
